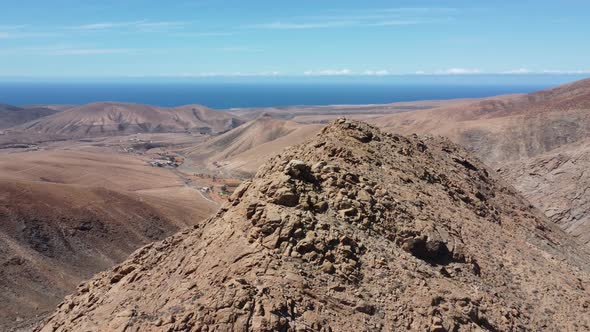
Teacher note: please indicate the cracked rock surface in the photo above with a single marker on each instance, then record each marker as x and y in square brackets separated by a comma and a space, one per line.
[354, 230]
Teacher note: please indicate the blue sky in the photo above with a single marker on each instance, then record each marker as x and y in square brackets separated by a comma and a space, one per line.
[209, 38]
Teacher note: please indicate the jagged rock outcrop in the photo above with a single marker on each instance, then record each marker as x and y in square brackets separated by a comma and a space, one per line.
[355, 230]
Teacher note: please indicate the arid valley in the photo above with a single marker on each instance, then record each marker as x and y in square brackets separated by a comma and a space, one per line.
[295, 218]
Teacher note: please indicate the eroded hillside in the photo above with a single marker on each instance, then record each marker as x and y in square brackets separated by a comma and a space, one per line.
[353, 230]
[557, 182]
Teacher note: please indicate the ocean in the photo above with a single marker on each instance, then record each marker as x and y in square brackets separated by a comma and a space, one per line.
[224, 95]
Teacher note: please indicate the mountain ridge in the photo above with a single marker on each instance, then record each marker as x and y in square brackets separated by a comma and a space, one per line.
[538, 122]
[123, 118]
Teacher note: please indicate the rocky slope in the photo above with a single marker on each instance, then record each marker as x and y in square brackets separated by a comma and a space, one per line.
[539, 140]
[557, 182]
[121, 118]
[355, 230]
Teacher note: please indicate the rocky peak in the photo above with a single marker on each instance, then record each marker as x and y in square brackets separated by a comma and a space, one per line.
[353, 230]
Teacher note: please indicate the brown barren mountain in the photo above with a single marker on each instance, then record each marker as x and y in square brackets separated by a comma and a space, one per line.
[354, 230]
[539, 140]
[65, 215]
[506, 128]
[120, 118]
[242, 150]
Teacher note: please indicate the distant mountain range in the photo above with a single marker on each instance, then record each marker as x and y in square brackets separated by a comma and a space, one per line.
[506, 128]
[105, 118]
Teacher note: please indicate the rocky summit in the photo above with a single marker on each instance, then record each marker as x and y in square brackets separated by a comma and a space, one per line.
[354, 230]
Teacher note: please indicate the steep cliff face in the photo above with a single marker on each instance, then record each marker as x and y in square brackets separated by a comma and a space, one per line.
[354, 230]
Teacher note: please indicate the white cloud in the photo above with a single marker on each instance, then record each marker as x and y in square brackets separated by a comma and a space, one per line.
[328, 72]
[382, 72]
[144, 25]
[362, 18]
[235, 49]
[568, 72]
[161, 24]
[418, 10]
[96, 26]
[346, 72]
[395, 22]
[450, 71]
[346, 17]
[63, 49]
[278, 25]
[21, 34]
[105, 25]
[204, 34]
[26, 50]
[299, 26]
[12, 27]
[524, 71]
[458, 71]
[516, 71]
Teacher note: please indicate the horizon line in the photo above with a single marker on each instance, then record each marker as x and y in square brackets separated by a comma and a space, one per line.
[302, 76]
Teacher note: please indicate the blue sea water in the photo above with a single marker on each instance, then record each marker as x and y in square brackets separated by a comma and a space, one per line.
[223, 95]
